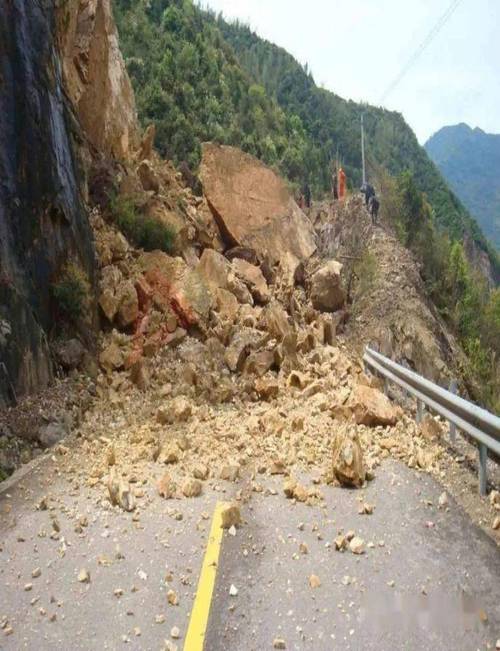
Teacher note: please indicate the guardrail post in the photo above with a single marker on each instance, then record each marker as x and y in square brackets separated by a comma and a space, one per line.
[453, 427]
[483, 477]
[420, 411]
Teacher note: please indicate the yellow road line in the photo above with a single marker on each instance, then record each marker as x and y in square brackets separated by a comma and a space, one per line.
[195, 637]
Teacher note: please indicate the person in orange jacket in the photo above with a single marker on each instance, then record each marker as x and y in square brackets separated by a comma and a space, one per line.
[342, 184]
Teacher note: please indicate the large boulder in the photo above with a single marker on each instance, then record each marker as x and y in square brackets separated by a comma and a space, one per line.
[347, 459]
[253, 206]
[327, 294]
[371, 407]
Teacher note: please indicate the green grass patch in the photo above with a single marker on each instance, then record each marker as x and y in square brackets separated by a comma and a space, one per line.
[145, 232]
[72, 291]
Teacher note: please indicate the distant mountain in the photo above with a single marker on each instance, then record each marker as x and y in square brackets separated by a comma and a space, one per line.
[470, 161]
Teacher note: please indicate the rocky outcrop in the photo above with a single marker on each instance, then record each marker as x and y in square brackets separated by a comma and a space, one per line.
[95, 76]
[253, 206]
[42, 220]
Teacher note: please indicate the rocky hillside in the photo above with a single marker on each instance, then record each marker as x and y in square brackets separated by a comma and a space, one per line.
[469, 159]
[236, 277]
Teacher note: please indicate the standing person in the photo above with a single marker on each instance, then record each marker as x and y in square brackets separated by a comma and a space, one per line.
[369, 192]
[373, 207]
[342, 184]
[335, 186]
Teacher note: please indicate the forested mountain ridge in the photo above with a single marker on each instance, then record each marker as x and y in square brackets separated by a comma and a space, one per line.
[469, 159]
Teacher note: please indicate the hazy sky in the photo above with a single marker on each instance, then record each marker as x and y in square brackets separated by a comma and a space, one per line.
[357, 47]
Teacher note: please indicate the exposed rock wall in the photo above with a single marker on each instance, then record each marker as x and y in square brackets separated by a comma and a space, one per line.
[95, 76]
[42, 219]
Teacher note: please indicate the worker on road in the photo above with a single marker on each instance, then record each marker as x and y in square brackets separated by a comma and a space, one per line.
[369, 192]
[342, 184]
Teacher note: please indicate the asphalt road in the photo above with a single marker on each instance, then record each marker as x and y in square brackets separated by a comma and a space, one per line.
[430, 581]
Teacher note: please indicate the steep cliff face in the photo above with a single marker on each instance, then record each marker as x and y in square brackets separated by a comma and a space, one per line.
[95, 76]
[43, 223]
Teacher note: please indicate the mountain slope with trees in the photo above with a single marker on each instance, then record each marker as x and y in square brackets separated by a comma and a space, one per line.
[469, 159]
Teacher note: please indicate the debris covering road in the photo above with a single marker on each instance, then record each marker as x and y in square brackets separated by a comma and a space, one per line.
[427, 577]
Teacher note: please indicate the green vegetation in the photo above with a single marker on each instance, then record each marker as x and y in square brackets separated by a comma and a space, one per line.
[145, 232]
[469, 159]
[188, 81]
[72, 292]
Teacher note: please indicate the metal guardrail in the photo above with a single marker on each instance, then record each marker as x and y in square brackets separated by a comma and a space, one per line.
[480, 424]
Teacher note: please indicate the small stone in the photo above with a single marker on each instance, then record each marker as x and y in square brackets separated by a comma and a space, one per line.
[229, 472]
[137, 631]
[279, 643]
[201, 471]
[496, 523]
[443, 500]
[233, 590]
[314, 581]
[36, 573]
[230, 516]
[172, 598]
[366, 509]
[340, 543]
[118, 592]
[160, 619]
[166, 487]
[83, 576]
[28, 587]
[357, 545]
[175, 633]
[192, 487]
[303, 548]
[300, 493]
[289, 487]
[232, 531]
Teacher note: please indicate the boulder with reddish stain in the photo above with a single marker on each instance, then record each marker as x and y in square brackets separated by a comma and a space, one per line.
[177, 287]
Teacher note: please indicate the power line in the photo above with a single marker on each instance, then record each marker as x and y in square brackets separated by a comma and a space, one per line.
[423, 46]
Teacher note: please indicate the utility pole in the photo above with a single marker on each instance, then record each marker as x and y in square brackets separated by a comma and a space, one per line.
[363, 148]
